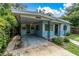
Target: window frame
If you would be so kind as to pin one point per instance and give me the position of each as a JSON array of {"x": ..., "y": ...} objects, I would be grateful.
[{"x": 46, "y": 27}]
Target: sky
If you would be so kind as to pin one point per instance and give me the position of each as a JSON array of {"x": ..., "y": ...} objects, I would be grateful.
[
  {"x": 32, "y": 6},
  {"x": 58, "y": 9}
]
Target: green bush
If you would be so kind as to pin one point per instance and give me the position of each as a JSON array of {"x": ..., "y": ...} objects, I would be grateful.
[
  {"x": 7, "y": 22},
  {"x": 66, "y": 39},
  {"x": 58, "y": 40},
  {"x": 2, "y": 41},
  {"x": 67, "y": 34},
  {"x": 4, "y": 37}
]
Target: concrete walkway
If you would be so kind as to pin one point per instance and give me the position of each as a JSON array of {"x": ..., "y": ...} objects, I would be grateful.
[{"x": 74, "y": 42}]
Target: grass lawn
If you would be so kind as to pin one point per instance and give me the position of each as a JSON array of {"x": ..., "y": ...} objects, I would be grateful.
[
  {"x": 74, "y": 37},
  {"x": 72, "y": 48}
]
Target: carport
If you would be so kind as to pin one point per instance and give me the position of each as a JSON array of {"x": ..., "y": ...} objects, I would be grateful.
[
  {"x": 32, "y": 23},
  {"x": 33, "y": 41}
]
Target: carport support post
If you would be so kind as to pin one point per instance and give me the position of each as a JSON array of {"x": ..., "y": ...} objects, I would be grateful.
[{"x": 48, "y": 30}]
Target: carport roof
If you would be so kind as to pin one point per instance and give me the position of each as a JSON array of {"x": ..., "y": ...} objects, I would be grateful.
[{"x": 42, "y": 15}]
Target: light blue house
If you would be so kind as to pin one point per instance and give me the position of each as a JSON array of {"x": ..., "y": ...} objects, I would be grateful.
[{"x": 38, "y": 24}]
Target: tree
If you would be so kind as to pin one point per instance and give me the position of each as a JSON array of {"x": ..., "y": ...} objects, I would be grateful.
[
  {"x": 19, "y": 6},
  {"x": 72, "y": 14},
  {"x": 7, "y": 22}
]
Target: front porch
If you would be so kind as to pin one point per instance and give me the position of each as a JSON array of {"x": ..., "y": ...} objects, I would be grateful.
[{"x": 41, "y": 29}]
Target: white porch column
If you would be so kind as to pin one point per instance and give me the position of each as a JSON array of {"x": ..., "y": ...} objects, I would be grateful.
[
  {"x": 42, "y": 28},
  {"x": 53, "y": 29},
  {"x": 61, "y": 30}
]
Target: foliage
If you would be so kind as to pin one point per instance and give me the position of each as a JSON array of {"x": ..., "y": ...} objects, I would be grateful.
[
  {"x": 72, "y": 14},
  {"x": 4, "y": 35},
  {"x": 67, "y": 34},
  {"x": 19, "y": 6},
  {"x": 11, "y": 20},
  {"x": 7, "y": 22},
  {"x": 66, "y": 39},
  {"x": 58, "y": 40},
  {"x": 4, "y": 24}
]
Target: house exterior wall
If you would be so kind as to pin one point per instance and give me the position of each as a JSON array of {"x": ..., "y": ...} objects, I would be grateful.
[
  {"x": 62, "y": 32},
  {"x": 39, "y": 32},
  {"x": 44, "y": 32}
]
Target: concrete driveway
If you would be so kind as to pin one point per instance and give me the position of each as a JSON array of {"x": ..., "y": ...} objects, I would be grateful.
[
  {"x": 33, "y": 41},
  {"x": 39, "y": 47}
]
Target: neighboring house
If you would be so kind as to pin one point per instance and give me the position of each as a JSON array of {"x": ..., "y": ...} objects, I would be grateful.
[{"x": 34, "y": 23}]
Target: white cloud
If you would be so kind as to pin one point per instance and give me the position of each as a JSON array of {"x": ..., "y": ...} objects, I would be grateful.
[
  {"x": 62, "y": 10},
  {"x": 47, "y": 10},
  {"x": 56, "y": 13},
  {"x": 66, "y": 5}
]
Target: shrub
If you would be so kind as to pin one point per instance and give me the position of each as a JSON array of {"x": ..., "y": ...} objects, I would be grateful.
[
  {"x": 58, "y": 40},
  {"x": 3, "y": 40},
  {"x": 66, "y": 39},
  {"x": 67, "y": 34}
]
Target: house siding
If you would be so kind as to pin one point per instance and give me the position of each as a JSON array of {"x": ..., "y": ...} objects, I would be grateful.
[
  {"x": 44, "y": 32},
  {"x": 62, "y": 31},
  {"x": 39, "y": 32}
]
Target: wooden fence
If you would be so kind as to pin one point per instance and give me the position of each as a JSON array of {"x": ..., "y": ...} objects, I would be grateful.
[{"x": 75, "y": 30}]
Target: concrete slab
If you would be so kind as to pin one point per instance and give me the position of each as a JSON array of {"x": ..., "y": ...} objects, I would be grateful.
[{"x": 33, "y": 41}]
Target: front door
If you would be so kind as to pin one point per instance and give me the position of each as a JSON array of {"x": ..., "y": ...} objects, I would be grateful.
[{"x": 56, "y": 29}]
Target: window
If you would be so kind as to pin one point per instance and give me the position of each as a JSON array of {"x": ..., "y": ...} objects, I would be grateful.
[
  {"x": 51, "y": 27},
  {"x": 65, "y": 27},
  {"x": 47, "y": 27}
]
